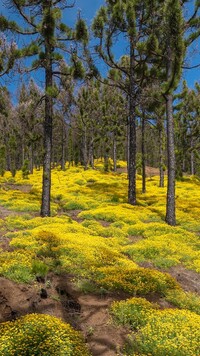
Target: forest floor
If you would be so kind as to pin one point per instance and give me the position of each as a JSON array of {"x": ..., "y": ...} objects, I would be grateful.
[{"x": 58, "y": 296}]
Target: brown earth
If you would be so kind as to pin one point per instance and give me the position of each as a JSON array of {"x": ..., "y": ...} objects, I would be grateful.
[
  {"x": 150, "y": 171},
  {"x": 189, "y": 280}
]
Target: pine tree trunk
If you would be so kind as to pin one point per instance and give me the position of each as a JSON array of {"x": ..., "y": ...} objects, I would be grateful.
[
  {"x": 161, "y": 162},
  {"x": 46, "y": 184},
  {"x": 115, "y": 154},
  {"x": 128, "y": 146},
  {"x": 31, "y": 158},
  {"x": 23, "y": 150},
  {"x": 143, "y": 156},
  {"x": 132, "y": 131},
  {"x": 70, "y": 148},
  {"x": 85, "y": 155},
  {"x": 170, "y": 209},
  {"x": 192, "y": 170},
  {"x": 91, "y": 153},
  {"x": 63, "y": 148}
]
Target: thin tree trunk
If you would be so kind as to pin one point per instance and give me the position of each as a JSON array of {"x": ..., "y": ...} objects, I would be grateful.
[
  {"x": 143, "y": 156},
  {"x": 184, "y": 165},
  {"x": 7, "y": 158},
  {"x": 46, "y": 183},
  {"x": 106, "y": 162},
  {"x": 161, "y": 158},
  {"x": 23, "y": 150},
  {"x": 31, "y": 158},
  {"x": 128, "y": 146},
  {"x": 115, "y": 153},
  {"x": 91, "y": 153},
  {"x": 85, "y": 155},
  {"x": 170, "y": 209},
  {"x": 192, "y": 170},
  {"x": 63, "y": 148},
  {"x": 132, "y": 131}
]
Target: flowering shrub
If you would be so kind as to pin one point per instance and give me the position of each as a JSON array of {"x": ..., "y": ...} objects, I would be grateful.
[
  {"x": 136, "y": 281},
  {"x": 132, "y": 312},
  {"x": 184, "y": 300},
  {"x": 170, "y": 332},
  {"x": 39, "y": 334}
]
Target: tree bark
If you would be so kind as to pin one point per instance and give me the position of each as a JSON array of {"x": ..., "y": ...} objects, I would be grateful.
[
  {"x": 161, "y": 161},
  {"x": 143, "y": 156},
  {"x": 85, "y": 150},
  {"x": 91, "y": 152},
  {"x": 46, "y": 184},
  {"x": 170, "y": 208},
  {"x": 114, "y": 153},
  {"x": 192, "y": 170},
  {"x": 132, "y": 131},
  {"x": 63, "y": 147},
  {"x": 127, "y": 145},
  {"x": 31, "y": 163}
]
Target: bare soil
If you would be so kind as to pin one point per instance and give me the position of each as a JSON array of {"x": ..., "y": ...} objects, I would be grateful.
[
  {"x": 150, "y": 171},
  {"x": 189, "y": 280}
]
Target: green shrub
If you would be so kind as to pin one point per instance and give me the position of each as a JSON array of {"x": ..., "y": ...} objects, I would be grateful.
[
  {"x": 75, "y": 205},
  {"x": 115, "y": 198},
  {"x": 132, "y": 312},
  {"x": 39, "y": 268},
  {"x": 19, "y": 273},
  {"x": 184, "y": 300},
  {"x": 25, "y": 169}
]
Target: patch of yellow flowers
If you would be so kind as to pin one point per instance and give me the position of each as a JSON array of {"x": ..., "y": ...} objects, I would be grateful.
[
  {"x": 39, "y": 334},
  {"x": 157, "y": 332}
]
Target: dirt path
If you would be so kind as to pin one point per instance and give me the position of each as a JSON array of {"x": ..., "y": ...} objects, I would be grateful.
[{"x": 102, "y": 336}]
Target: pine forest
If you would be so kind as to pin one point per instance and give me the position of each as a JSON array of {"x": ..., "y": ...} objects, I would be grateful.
[{"x": 99, "y": 178}]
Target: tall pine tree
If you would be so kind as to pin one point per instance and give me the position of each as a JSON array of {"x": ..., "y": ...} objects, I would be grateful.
[{"x": 47, "y": 36}]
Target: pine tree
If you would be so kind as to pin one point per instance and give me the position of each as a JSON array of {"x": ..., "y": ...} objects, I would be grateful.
[
  {"x": 174, "y": 51},
  {"x": 30, "y": 112},
  {"x": 48, "y": 36},
  {"x": 8, "y": 52},
  {"x": 187, "y": 129},
  {"x": 135, "y": 21}
]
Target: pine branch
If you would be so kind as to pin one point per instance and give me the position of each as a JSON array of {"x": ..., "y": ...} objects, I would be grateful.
[{"x": 23, "y": 15}]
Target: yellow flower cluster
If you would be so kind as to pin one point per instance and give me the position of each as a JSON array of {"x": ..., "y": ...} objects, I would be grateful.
[
  {"x": 170, "y": 332},
  {"x": 136, "y": 281},
  {"x": 39, "y": 334}
]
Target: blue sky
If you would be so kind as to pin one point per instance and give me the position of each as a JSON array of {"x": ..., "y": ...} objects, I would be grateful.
[{"x": 88, "y": 9}]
